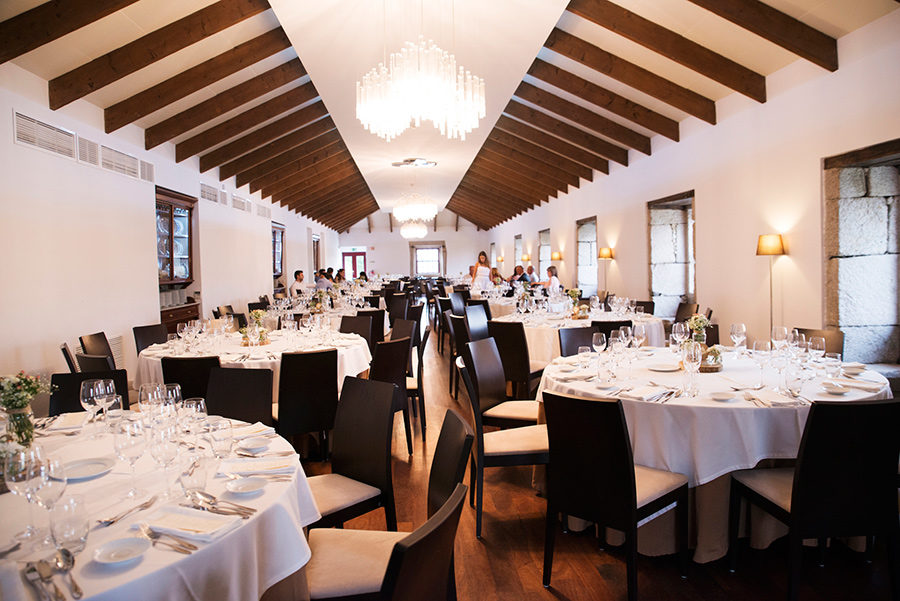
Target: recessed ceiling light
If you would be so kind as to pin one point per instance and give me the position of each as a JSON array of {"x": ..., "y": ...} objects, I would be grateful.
[{"x": 414, "y": 163}]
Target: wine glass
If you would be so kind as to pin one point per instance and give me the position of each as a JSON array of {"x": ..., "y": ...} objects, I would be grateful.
[
  {"x": 761, "y": 350},
  {"x": 194, "y": 416},
  {"x": 816, "y": 347},
  {"x": 779, "y": 337},
  {"x": 595, "y": 303},
  {"x": 130, "y": 442},
  {"x": 92, "y": 397},
  {"x": 173, "y": 395},
  {"x": 598, "y": 341},
  {"x": 584, "y": 356},
  {"x": 691, "y": 357},
  {"x": 679, "y": 331},
  {"x": 164, "y": 442},
  {"x": 149, "y": 397},
  {"x": 639, "y": 334},
  {"x": 219, "y": 436},
  {"x": 626, "y": 335},
  {"x": 739, "y": 337},
  {"x": 53, "y": 478},
  {"x": 108, "y": 392},
  {"x": 778, "y": 360},
  {"x": 22, "y": 471}
]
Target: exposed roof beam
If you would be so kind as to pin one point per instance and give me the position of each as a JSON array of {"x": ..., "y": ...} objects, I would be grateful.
[
  {"x": 476, "y": 179},
  {"x": 276, "y": 147},
  {"x": 50, "y": 21},
  {"x": 542, "y": 154},
  {"x": 499, "y": 163},
  {"x": 298, "y": 182},
  {"x": 298, "y": 152},
  {"x": 557, "y": 145},
  {"x": 335, "y": 177},
  {"x": 779, "y": 28},
  {"x": 672, "y": 45},
  {"x": 476, "y": 206},
  {"x": 308, "y": 161},
  {"x": 516, "y": 156},
  {"x": 350, "y": 207},
  {"x": 632, "y": 75},
  {"x": 148, "y": 49},
  {"x": 223, "y": 102},
  {"x": 454, "y": 205},
  {"x": 503, "y": 178},
  {"x": 508, "y": 202},
  {"x": 604, "y": 98},
  {"x": 198, "y": 77},
  {"x": 313, "y": 198}
]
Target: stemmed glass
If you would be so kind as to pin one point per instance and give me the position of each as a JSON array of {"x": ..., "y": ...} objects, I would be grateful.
[
  {"x": 761, "y": 350},
  {"x": 779, "y": 337},
  {"x": 194, "y": 417},
  {"x": 679, "y": 331},
  {"x": 739, "y": 337},
  {"x": 796, "y": 343},
  {"x": 130, "y": 442},
  {"x": 639, "y": 334},
  {"x": 816, "y": 348},
  {"x": 598, "y": 341},
  {"x": 22, "y": 471},
  {"x": 584, "y": 356},
  {"x": 92, "y": 397},
  {"x": 164, "y": 439},
  {"x": 625, "y": 335},
  {"x": 691, "y": 357},
  {"x": 173, "y": 395},
  {"x": 150, "y": 396},
  {"x": 595, "y": 303},
  {"x": 53, "y": 478},
  {"x": 779, "y": 361}
]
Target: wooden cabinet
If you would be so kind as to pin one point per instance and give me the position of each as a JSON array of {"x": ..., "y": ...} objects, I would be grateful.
[
  {"x": 173, "y": 316},
  {"x": 174, "y": 237}
]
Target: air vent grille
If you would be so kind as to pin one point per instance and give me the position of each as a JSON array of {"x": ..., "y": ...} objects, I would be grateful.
[
  {"x": 209, "y": 193},
  {"x": 262, "y": 211},
  {"x": 88, "y": 152},
  {"x": 147, "y": 172},
  {"x": 239, "y": 203},
  {"x": 223, "y": 197},
  {"x": 115, "y": 160},
  {"x": 42, "y": 135}
]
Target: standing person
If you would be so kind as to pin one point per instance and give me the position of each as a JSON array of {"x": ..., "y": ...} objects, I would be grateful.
[
  {"x": 552, "y": 284},
  {"x": 296, "y": 285},
  {"x": 481, "y": 278},
  {"x": 531, "y": 275}
]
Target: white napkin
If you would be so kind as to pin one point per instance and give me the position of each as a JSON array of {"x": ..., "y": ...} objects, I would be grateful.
[
  {"x": 772, "y": 398},
  {"x": 68, "y": 421},
  {"x": 257, "y": 429},
  {"x": 11, "y": 584},
  {"x": 571, "y": 360},
  {"x": 192, "y": 524},
  {"x": 642, "y": 393},
  {"x": 858, "y": 384},
  {"x": 258, "y": 465},
  {"x": 578, "y": 375}
]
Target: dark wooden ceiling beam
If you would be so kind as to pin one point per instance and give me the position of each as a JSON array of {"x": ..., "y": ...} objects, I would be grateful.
[
  {"x": 279, "y": 161},
  {"x": 326, "y": 168},
  {"x": 516, "y": 156},
  {"x": 541, "y": 154},
  {"x": 473, "y": 183},
  {"x": 340, "y": 203},
  {"x": 276, "y": 147},
  {"x": 306, "y": 162},
  {"x": 258, "y": 137},
  {"x": 488, "y": 202},
  {"x": 466, "y": 214},
  {"x": 605, "y": 99},
  {"x": 552, "y": 143},
  {"x": 503, "y": 178},
  {"x": 632, "y": 75},
  {"x": 479, "y": 180},
  {"x": 196, "y": 78},
  {"x": 584, "y": 117},
  {"x": 223, "y": 102},
  {"x": 245, "y": 121},
  {"x": 568, "y": 132},
  {"x": 672, "y": 45},
  {"x": 779, "y": 28},
  {"x": 148, "y": 49},
  {"x": 336, "y": 178},
  {"x": 335, "y": 190},
  {"x": 354, "y": 211},
  {"x": 50, "y": 21},
  {"x": 477, "y": 205},
  {"x": 513, "y": 170},
  {"x": 498, "y": 199},
  {"x": 363, "y": 212}
]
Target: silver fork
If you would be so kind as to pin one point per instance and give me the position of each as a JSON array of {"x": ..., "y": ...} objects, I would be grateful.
[
  {"x": 145, "y": 505},
  {"x": 156, "y": 540}
]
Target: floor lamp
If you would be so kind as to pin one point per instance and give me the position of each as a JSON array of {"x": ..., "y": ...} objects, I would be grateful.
[
  {"x": 770, "y": 245},
  {"x": 605, "y": 254}
]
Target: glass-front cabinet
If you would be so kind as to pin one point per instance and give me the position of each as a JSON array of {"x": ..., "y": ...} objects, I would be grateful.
[{"x": 173, "y": 237}]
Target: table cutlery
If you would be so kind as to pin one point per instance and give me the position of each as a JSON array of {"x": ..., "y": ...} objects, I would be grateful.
[
  {"x": 241, "y": 453},
  {"x": 799, "y": 397},
  {"x": 212, "y": 500},
  {"x": 145, "y": 505},
  {"x": 216, "y": 510},
  {"x": 32, "y": 576},
  {"x": 272, "y": 477},
  {"x": 155, "y": 540},
  {"x": 673, "y": 393},
  {"x": 177, "y": 539},
  {"x": 46, "y": 573},
  {"x": 64, "y": 562}
]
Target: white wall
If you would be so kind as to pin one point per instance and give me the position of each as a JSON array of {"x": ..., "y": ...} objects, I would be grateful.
[
  {"x": 758, "y": 171},
  {"x": 388, "y": 253},
  {"x": 79, "y": 242}
]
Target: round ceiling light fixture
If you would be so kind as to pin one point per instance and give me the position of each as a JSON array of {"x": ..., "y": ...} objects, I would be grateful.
[
  {"x": 413, "y": 206},
  {"x": 413, "y": 230},
  {"x": 414, "y": 162}
]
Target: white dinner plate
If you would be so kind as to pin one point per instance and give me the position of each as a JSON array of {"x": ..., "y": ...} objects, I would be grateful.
[
  {"x": 121, "y": 550},
  {"x": 834, "y": 389},
  {"x": 85, "y": 469},
  {"x": 565, "y": 368},
  {"x": 723, "y": 396},
  {"x": 664, "y": 367},
  {"x": 610, "y": 387},
  {"x": 257, "y": 443},
  {"x": 245, "y": 486}
]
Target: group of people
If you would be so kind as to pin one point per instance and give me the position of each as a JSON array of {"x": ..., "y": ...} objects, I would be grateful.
[
  {"x": 485, "y": 277},
  {"x": 324, "y": 279}
]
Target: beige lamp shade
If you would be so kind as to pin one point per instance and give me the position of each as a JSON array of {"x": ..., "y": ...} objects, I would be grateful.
[
  {"x": 770, "y": 244},
  {"x": 499, "y": 259},
  {"x": 605, "y": 253},
  {"x": 556, "y": 256},
  {"x": 526, "y": 257}
]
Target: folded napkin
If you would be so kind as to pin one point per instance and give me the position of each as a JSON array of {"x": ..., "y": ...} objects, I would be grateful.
[
  {"x": 642, "y": 393},
  {"x": 858, "y": 384},
  {"x": 192, "y": 524},
  {"x": 257, "y": 429},
  {"x": 68, "y": 421},
  {"x": 12, "y": 585},
  {"x": 574, "y": 376},
  {"x": 258, "y": 465},
  {"x": 770, "y": 398},
  {"x": 570, "y": 360}
]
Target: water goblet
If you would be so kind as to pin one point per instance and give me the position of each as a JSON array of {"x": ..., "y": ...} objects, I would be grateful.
[
  {"x": 584, "y": 356},
  {"x": 53, "y": 478},
  {"x": 598, "y": 342},
  {"x": 638, "y": 334},
  {"x": 761, "y": 351},
  {"x": 691, "y": 357},
  {"x": 679, "y": 331},
  {"x": 69, "y": 523},
  {"x": 129, "y": 443},
  {"x": 22, "y": 472},
  {"x": 739, "y": 337},
  {"x": 779, "y": 337},
  {"x": 778, "y": 360},
  {"x": 92, "y": 396},
  {"x": 626, "y": 335},
  {"x": 173, "y": 394},
  {"x": 164, "y": 442},
  {"x": 816, "y": 348}
]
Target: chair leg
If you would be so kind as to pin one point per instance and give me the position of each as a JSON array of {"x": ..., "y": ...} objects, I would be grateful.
[
  {"x": 451, "y": 580},
  {"x": 413, "y": 405},
  {"x": 479, "y": 495},
  {"x": 549, "y": 539},
  {"x": 472, "y": 469},
  {"x": 734, "y": 516},
  {"x": 323, "y": 445},
  {"x": 390, "y": 515},
  {"x": 631, "y": 561},
  {"x": 795, "y": 554},
  {"x": 456, "y": 384},
  {"x": 421, "y": 399},
  {"x": 822, "y": 547},
  {"x": 450, "y": 373},
  {"x": 681, "y": 531},
  {"x": 408, "y": 430}
]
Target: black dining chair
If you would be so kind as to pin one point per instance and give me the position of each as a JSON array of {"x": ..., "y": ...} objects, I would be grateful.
[
  {"x": 191, "y": 373},
  {"x": 572, "y": 338},
  {"x": 440, "y": 326},
  {"x": 484, "y": 303},
  {"x": 397, "y": 308},
  {"x": 592, "y": 475},
  {"x": 237, "y": 393},
  {"x": 308, "y": 396},
  {"x": 144, "y": 336},
  {"x": 65, "y": 395},
  {"x": 68, "y": 356},
  {"x": 460, "y": 339},
  {"x": 240, "y": 320},
  {"x": 647, "y": 306},
  {"x": 415, "y": 383},
  {"x": 360, "y": 480},
  {"x": 607, "y": 327},
  {"x": 476, "y": 322},
  {"x": 260, "y": 306},
  {"x": 414, "y": 314},
  {"x": 844, "y": 483},
  {"x": 377, "y": 316},
  {"x": 389, "y": 365},
  {"x": 225, "y": 310},
  {"x": 458, "y": 302},
  {"x": 96, "y": 344},
  {"x": 95, "y": 362},
  {"x": 360, "y": 324},
  {"x": 517, "y": 364},
  {"x": 373, "y": 301}
]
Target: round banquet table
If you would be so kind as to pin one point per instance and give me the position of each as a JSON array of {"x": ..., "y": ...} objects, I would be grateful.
[
  {"x": 353, "y": 354},
  {"x": 541, "y": 330},
  {"x": 266, "y": 551},
  {"x": 702, "y": 438},
  {"x": 502, "y": 306}
]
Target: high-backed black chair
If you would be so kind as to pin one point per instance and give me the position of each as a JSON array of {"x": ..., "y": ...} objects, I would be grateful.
[
  {"x": 486, "y": 385},
  {"x": 265, "y": 299},
  {"x": 648, "y": 306},
  {"x": 244, "y": 394},
  {"x": 712, "y": 334},
  {"x": 144, "y": 336},
  {"x": 844, "y": 483},
  {"x": 608, "y": 327},
  {"x": 484, "y": 303},
  {"x": 476, "y": 322},
  {"x": 415, "y": 386},
  {"x": 95, "y": 362},
  {"x": 389, "y": 365},
  {"x": 68, "y": 356},
  {"x": 191, "y": 373},
  {"x": 517, "y": 363},
  {"x": 449, "y": 328},
  {"x": 66, "y": 394},
  {"x": 571, "y": 338},
  {"x": 440, "y": 322},
  {"x": 361, "y": 324},
  {"x": 96, "y": 344},
  {"x": 257, "y": 306},
  {"x": 834, "y": 338},
  {"x": 685, "y": 311},
  {"x": 592, "y": 476},
  {"x": 458, "y": 302},
  {"x": 414, "y": 314},
  {"x": 308, "y": 395},
  {"x": 216, "y": 314},
  {"x": 360, "y": 479},
  {"x": 397, "y": 308},
  {"x": 240, "y": 319},
  {"x": 373, "y": 301},
  {"x": 226, "y": 310},
  {"x": 377, "y": 316},
  {"x": 460, "y": 339}
]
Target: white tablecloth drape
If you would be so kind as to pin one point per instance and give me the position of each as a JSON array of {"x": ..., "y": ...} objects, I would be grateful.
[{"x": 240, "y": 565}]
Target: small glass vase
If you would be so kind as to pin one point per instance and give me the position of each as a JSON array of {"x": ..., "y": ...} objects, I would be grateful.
[
  {"x": 20, "y": 425},
  {"x": 699, "y": 337}
]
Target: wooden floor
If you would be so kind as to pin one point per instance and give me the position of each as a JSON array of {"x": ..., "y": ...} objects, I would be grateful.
[{"x": 506, "y": 563}]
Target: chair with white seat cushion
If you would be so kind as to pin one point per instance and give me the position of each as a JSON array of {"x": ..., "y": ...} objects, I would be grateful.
[
  {"x": 494, "y": 408},
  {"x": 486, "y": 386},
  {"x": 844, "y": 483},
  {"x": 592, "y": 476},
  {"x": 360, "y": 479}
]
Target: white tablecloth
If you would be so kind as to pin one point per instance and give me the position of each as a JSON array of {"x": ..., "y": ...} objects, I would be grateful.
[
  {"x": 541, "y": 330},
  {"x": 353, "y": 354},
  {"x": 241, "y": 565},
  {"x": 502, "y": 306},
  {"x": 706, "y": 439}
]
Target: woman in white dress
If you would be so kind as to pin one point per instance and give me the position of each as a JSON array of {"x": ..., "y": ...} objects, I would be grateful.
[
  {"x": 552, "y": 284},
  {"x": 481, "y": 278}
]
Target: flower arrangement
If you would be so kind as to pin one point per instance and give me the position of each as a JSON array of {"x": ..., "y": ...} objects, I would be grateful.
[
  {"x": 574, "y": 294},
  {"x": 714, "y": 354},
  {"x": 16, "y": 393},
  {"x": 258, "y": 315},
  {"x": 698, "y": 323}
]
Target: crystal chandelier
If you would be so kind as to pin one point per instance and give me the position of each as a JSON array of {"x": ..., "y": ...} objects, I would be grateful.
[
  {"x": 420, "y": 83},
  {"x": 413, "y": 206},
  {"x": 413, "y": 230}
]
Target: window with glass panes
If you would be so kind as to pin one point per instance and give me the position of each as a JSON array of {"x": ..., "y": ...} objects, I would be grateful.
[
  {"x": 543, "y": 253},
  {"x": 586, "y": 237},
  {"x": 277, "y": 249},
  {"x": 517, "y": 250},
  {"x": 428, "y": 261},
  {"x": 493, "y": 254}
]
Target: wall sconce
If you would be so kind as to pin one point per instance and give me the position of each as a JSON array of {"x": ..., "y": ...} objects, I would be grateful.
[
  {"x": 605, "y": 253},
  {"x": 556, "y": 256},
  {"x": 526, "y": 257},
  {"x": 499, "y": 259},
  {"x": 770, "y": 245}
]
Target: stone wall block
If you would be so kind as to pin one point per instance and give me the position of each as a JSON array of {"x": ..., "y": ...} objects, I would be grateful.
[
  {"x": 669, "y": 278},
  {"x": 884, "y": 181},
  {"x": 852, "y": 182},
  {"x": 832, "y": 305},
  {"x": 862, "y": 226},
  {"x": 871, "y": 344},
  {"x": 832, "y": 184},
  {"x": 867, "y": 290},
  {"x": 667, "y": 216},
  {"x": 662, "y": 244},
  {"x": 893, "y": 242},
  {"x": 665, "y": 305},
  {"x": 832, "y": 227}
]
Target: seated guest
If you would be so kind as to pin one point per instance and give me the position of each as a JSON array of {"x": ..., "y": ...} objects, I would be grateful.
[
  {"x": 363, "y": 277},
  {"x": 323, "y": 283},
  {"x": 339, "y": 276},
  {"x": 296, "y": 285},
  {"x": 518, "y": 275},
  {"x": 552, "y": 284},
  {"x": 496, "y": 278},
  {"x": 531, "y": 275}
]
